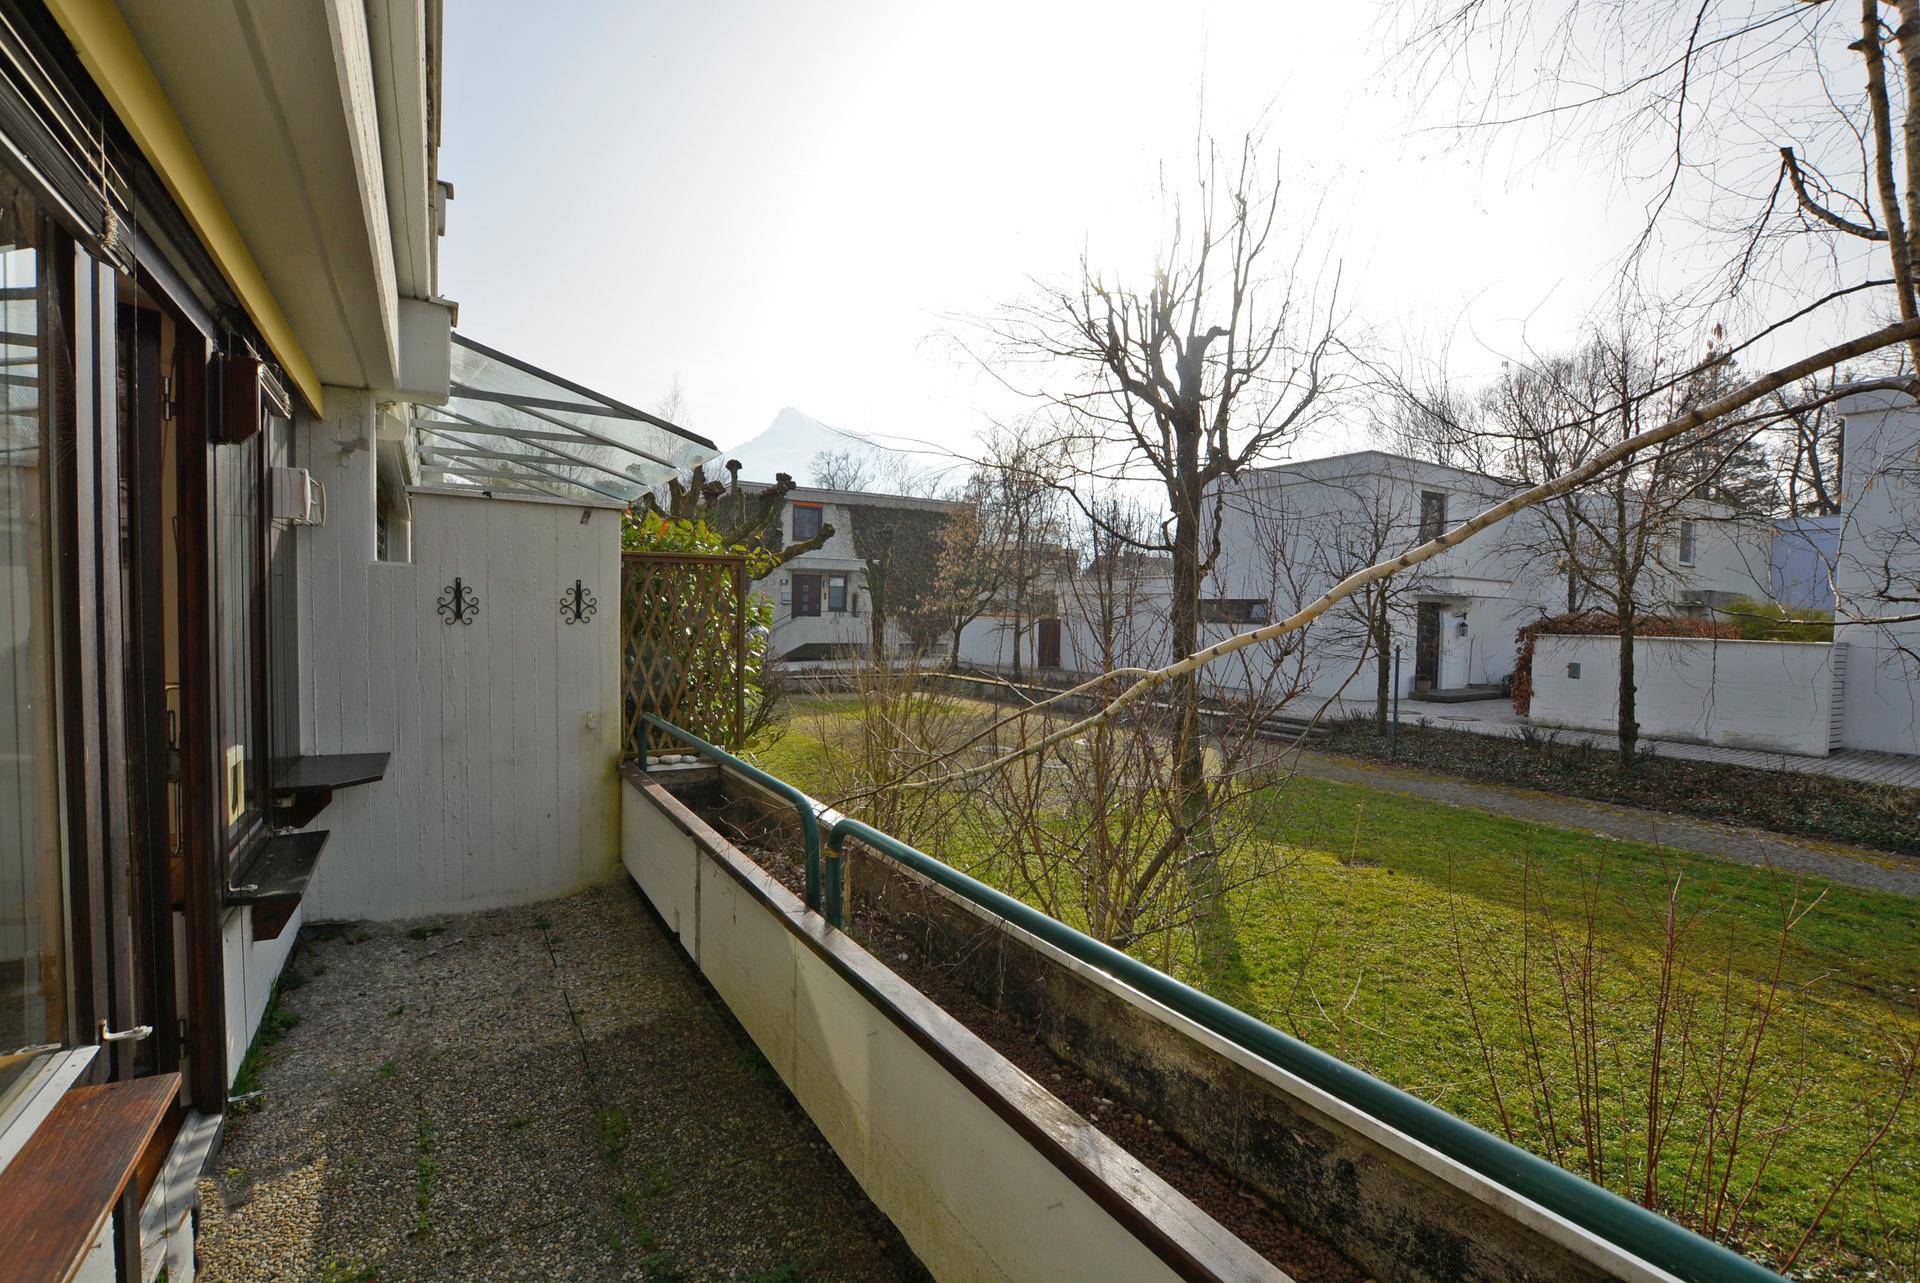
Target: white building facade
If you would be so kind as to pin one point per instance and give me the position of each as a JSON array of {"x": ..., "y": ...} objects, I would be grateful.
[
  {"x": 822, "y": 599},
  {"x": 1877, "y": 573},
  {"x": 1289, "y": 533}
]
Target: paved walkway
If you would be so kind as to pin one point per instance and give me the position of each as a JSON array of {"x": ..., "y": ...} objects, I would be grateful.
[
  {"x": 537, "y": 1093},
  {"x": 1496, "y": 717},
  {"x": 1853, "y": 866}
]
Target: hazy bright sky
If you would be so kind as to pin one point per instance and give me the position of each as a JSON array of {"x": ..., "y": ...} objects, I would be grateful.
[{"x": 783, "y": 203}]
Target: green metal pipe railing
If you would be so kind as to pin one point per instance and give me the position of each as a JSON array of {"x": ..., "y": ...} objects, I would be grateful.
[
  {"x": 804, "y": 806},
  {"x": 1626, "y": 1225}
]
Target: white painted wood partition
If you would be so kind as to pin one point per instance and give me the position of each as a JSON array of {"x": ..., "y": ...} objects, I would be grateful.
[{"x": 503, "y": 731}]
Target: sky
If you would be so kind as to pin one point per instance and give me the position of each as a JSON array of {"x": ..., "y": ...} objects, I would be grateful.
[{"x": 772, "y": 204}]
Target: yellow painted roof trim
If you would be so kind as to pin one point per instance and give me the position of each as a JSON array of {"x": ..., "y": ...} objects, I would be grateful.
[{"x": 117, "y": 64}]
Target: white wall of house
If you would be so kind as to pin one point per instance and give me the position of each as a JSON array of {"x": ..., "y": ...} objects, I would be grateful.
[
  {"x": 1289, "y": 533},
  {"x": 988, "y": 642},
  {"x": 1779, "y": 696},
  {"x": 853, "y": 626},
  {"x": 504, "y": 732},
  {"x": 1880, "y": 546}
]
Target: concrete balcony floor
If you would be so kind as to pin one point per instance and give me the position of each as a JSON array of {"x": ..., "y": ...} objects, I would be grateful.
[{"x": 544, "y": 1092}]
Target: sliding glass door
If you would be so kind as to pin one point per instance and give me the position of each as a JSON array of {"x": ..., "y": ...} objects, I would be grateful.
[{"x": 33, "y": 939}]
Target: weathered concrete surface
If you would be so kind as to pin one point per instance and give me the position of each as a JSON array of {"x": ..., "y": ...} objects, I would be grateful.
[{"x": 543, "y": 1092}]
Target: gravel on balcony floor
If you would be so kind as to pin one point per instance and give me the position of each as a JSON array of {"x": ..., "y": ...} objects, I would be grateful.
[{"x": 545, "y": 1092}]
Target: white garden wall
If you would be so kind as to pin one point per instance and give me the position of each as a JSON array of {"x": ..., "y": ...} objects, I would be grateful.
[
  {"x": 1778, "y": 696},
  {"x": 504, "y": 732}
]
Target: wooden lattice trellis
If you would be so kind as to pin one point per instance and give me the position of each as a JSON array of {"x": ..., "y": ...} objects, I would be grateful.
[{"x": 683, "y": 633}]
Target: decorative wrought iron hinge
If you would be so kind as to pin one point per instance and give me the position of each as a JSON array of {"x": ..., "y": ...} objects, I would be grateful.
[
  {"x": 577, "y": 604},
  {"x": 460, "y": 604}
]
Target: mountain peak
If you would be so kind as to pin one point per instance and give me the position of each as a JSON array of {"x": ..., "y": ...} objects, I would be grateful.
[{"x": 790, "y": 442}]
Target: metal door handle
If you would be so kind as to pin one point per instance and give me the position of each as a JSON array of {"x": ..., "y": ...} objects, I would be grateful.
[{"x": 134, "y": 1034}]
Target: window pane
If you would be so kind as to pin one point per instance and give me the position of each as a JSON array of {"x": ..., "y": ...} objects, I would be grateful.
[
  {"x": 806, "y": 521},
  {"x": 32, "y": 938},
  {"x": 238, "y": 553}
]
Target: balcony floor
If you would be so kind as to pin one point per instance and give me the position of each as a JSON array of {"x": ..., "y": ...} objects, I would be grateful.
[{"x": 543, "y": 1092}]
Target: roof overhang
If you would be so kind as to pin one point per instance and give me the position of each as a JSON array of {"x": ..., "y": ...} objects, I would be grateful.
[{"x": 295, "y": 140}]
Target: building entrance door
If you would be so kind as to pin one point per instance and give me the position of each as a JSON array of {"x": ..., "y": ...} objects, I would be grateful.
[
  {"x": 1047, "y": 644},
  {"x": 1426, "y": 646}
]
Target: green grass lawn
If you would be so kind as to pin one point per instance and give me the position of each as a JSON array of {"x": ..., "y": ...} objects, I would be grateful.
[{"x": 1392, "y": 926}]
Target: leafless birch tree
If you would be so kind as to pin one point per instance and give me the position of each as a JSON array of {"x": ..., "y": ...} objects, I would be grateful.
[{"x": 1224, "y": 350}]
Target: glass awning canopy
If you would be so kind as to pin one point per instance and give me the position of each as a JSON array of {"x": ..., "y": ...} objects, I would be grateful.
[{"x": 512, "y": 428}]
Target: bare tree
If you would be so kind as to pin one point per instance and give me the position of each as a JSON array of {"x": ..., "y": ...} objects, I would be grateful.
[
  {"x": 1622, "y": 542},
  {"x": 1023, "y": 468},
  {"x": 1143, "y": 683},
  {"x": 1629, "y": 536},
  {"x": 838, "y": 470},
  {"x": 1777, "y": 142},
  {"x": 1223, "y": 353},
  {"x": 972, "y": 565},
  {"x": 1299, "y": 532},
  {"x": 743, "y": 519},
  {"x": 1811, "y": 454}
]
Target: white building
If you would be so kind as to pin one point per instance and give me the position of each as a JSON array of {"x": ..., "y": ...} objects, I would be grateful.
[
  {"x": 1288, "y": 533},
  {"x": 1877, "y": 574},
  {"x": 822, "y": 600}
]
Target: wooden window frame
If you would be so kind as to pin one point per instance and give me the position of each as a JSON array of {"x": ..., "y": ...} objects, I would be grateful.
[
  {"x": 844, "y": 582},
  {"x": 264, "y": 392}
]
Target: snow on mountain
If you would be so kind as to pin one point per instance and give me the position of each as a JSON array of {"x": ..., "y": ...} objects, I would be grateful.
[{"x": 789, "y": 444}]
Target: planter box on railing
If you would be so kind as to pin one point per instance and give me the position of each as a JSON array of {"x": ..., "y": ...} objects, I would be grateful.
[{"x": 985, "y": 1173}]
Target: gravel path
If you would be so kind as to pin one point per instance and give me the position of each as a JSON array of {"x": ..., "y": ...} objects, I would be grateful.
[
  {"x": 1852, "y": 866},
  {"x": 536, "y": 1093}
]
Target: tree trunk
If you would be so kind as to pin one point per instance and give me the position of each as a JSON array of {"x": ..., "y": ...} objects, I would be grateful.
[
  {"x": 1382, "y": 667},
  {"x": 1629, "y": 727},
  {"x": 1212, "y": 941},
  {"x": 877, "y": 611}
]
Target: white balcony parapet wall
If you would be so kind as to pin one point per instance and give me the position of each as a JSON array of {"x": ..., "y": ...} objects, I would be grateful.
[
  {"x": 986, "y": 1174},
  {"x": 1782, "y": 697}
]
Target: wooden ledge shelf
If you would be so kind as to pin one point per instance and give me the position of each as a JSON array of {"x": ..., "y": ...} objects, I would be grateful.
[
  {"x": 275, "y": 879},
  {"x": 305, "y": 785},
  {"x": 59, "y": 1190}
]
